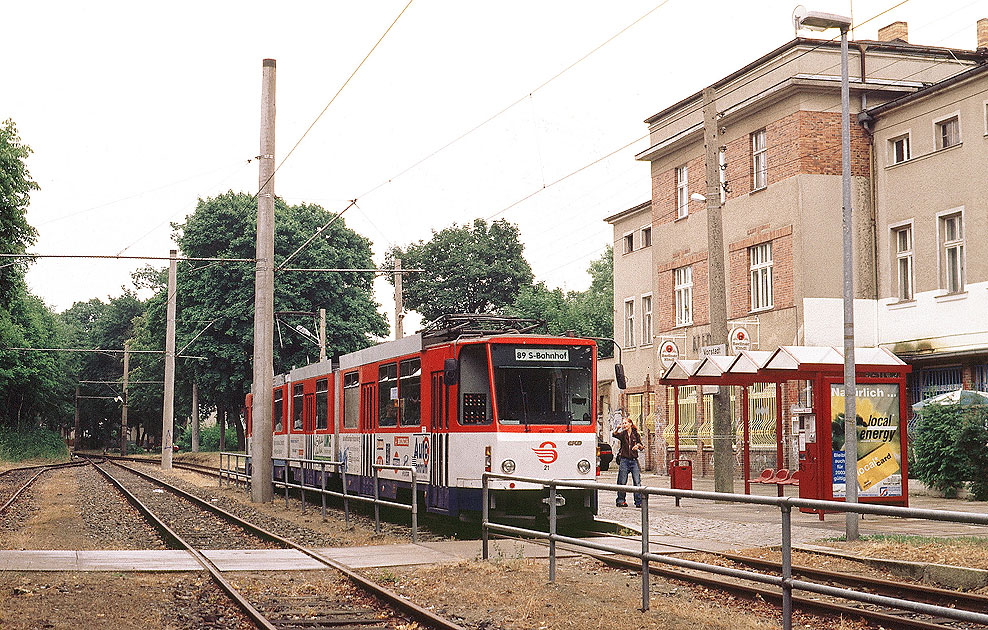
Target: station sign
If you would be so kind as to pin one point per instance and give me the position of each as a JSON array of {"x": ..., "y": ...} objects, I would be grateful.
[
  {"x": 668, "y": 352},
  {"x": 740, "y": 340}
]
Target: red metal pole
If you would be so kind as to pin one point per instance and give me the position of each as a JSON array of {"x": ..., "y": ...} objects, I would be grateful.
[
  {"x": 778, "y": 428},
  {"x": 675, "y": 407},
  {"x": 747, "y": 440}
]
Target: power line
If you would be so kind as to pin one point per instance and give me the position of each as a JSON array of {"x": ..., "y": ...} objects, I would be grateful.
[
  {"x": 117, "y": 257},
  {"x": 352, "y": 74},
  {"x": 527, "y": 94}
]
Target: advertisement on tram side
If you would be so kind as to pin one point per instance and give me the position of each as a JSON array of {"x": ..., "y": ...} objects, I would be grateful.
[{"x": 879, "y": 453}]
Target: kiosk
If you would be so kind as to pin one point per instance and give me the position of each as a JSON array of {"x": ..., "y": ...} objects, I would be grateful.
[{"x": 818, "y": 426}]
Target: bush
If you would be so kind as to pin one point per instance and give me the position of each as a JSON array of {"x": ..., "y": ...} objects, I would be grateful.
[
  {"x": 37, "y": 443},
  {"x": 209, "y": 438},
  {"x": 951, "y": 448}
]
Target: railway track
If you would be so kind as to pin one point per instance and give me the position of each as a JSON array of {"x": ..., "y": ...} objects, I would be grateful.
[
  {"x": 15, "y": 481},
  {"x": 270, "y": 606},
  {"x": 882, "y": 617}
]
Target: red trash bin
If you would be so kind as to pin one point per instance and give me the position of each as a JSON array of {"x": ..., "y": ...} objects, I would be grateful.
[{"x": 681, "y": 474}]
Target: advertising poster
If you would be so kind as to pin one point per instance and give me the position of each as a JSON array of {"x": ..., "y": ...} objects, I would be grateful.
[{"x": 879, "y": 456}]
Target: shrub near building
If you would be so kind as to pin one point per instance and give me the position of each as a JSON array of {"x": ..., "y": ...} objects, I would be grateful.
[{"x": 951, "y": 449}]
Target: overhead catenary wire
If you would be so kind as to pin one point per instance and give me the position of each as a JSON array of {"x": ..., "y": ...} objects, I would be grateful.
[{"x": 118, "y": 257}]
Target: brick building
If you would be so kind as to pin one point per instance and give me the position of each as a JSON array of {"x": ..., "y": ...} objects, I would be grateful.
[{"x": 780, "y": 171}]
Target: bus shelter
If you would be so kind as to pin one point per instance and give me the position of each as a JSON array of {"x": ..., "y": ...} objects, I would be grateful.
[{"x": 816, "y": 419}]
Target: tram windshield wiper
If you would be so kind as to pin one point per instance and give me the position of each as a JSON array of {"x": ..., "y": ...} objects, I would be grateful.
[{"x": 524, "y": 402}]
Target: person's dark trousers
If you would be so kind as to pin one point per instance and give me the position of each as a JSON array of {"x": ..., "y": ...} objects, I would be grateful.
[{"x": 628, "y": 465}]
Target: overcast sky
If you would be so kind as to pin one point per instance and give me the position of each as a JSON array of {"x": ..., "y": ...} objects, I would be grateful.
[{"x": 135, "y": 110}]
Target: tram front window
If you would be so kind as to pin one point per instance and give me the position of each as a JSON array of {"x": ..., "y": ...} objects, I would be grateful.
[{"x": 543, "y": 385}]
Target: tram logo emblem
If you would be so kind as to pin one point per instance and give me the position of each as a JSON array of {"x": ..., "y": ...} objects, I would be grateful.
[{"x": 546, "y": 452}]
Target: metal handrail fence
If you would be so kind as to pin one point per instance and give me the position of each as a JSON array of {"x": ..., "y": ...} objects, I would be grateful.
[
  {"x": 785, "y": 504},
  {"x": 311, "y": 465}
]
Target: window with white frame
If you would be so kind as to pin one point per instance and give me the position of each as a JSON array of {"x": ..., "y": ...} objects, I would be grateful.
[
  {"x": 899, "y": 149},
  {"x": 759, "y": 160},
  {"x": 952, "y": 252},
  {"x": 646, "y": 237},
  {"x": 948, "y": 132},
  {"x": 629, "y": 243},
  {"x": 629, "y": 322},
  {"x": 902, "y": 237},
  {"x": 684, "y": 295},
  {"x": 682, "y": 192},
  {"x": 761, "y": 276},
  {"x": 646, "y": 320}
]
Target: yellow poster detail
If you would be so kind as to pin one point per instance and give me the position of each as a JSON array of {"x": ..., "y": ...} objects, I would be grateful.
[{"x": 877, "y": 466}]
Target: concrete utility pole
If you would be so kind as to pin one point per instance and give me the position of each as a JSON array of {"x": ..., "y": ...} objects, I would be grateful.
[
  {"x": 850, "y": 381},
  {"x": 195, "y": 417},
  {"x": 261, "y": 489},
  {"x": 168, "y": 407},
  {"x": 399, "y": 307},
  {"x": 75, "y": 438},
  {"x": 123, "y": 410},
  {"x": 722, "y": 429},
  {"x": 322, "y": 334}
]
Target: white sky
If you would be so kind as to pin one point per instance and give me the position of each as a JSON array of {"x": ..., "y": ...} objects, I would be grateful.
[{"x": 135, "y": 110}]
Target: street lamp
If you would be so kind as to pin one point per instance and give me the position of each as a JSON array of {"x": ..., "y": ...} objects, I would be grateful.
[{"x": 817, "y": 21}]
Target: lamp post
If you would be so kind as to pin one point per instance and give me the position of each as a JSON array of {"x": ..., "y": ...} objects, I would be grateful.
[{"x": 814, "y": 20}]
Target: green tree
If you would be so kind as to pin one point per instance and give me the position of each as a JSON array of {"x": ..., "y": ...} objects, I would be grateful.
[
  {"x": 587, "y": 313},
  {"x": 16, "y": 234},
  {"x": 937, "y": 463},
  {"x": 468, "y": 269},
  {"x": 217, "y": 300}
]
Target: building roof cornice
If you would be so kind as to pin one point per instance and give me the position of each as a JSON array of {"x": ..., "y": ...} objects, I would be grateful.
[{"x": 647, "y": 205}]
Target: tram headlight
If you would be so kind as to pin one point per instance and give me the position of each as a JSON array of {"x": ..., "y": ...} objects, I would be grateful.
[
  {"x": 508, "y": 466},
  {"x": 583, "y": 466}
]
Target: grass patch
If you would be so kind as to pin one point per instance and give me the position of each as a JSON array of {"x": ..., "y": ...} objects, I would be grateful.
[
  {"x": 917, "y": 541},
  {"x": 32, "y": 444}
]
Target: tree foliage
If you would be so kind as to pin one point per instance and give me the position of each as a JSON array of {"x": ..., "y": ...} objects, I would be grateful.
[
  {"x": 587, "y": 313},
  {"x": 217, "y": 300},
  {"x": 951, "y": 448},
  {"x": 16, "y": 234},
  {"x": 468, "y": 269}
]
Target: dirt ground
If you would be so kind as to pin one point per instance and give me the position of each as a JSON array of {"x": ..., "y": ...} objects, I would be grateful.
[
  {"x": 515, "y": 593},
  {"x": 60, "y": 524}
]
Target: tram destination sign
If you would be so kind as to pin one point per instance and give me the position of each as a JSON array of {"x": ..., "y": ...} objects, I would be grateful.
[{"x": 542, "y": 354}]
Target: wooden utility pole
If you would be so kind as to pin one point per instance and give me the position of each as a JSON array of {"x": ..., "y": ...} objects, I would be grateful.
[
  {"x": 123, "y": 410},
  {"x": 399, "y": 307},
  {"x": 75, "y": 437},
  {"x": 322, "y": 334},
  {"x": 261, "y": 488},
  {"x": 717, "y": 278},
  {"x": 195, "y": 417},
  {"x": 168, "y": 408}
]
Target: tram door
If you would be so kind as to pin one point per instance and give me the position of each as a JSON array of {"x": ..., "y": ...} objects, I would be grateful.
[{"x": 437, "y": 496}]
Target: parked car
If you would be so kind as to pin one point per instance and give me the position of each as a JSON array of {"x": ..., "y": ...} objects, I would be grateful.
[{"x": 604, "y": 455}]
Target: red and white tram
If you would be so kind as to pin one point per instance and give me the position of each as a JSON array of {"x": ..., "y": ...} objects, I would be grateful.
[{"x": 469, "y": 394}]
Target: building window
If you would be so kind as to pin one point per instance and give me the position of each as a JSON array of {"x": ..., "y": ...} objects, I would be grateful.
[
  {"x": 629, "y": 243},
  {"x": 629, "y": 323},
  {"x": 899, "y": 149},
  {"x": 759, "y": 160},
  {"x": 684, "y": 296},
  {"x": 948, "y": 132},
  {"x": 952, "y": 252},
  {"x": 682, "y": 192},
  {"x": 646, "y": 237},
  {"x": 903, "y": 238},
  {"x": 761, "y": 276},
  {"x": 646, "y": 320}
]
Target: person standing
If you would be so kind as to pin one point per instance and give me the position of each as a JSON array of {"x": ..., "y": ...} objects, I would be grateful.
[{"x": 631, "y": 442}]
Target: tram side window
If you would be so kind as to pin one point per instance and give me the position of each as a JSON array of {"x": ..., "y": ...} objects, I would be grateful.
[
  {"x": 322, "y": 404},
  {"x": 351, "y": 400},
  {"x": 387, "y": 395},
  {"x": 475, "y": 386},
  {"x": 278, "y": 410},
  {"x": 410, "y": 392},
  {"x": 297, "y": 397}
]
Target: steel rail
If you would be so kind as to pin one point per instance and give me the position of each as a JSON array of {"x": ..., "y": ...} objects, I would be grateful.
[
  {"x": 390, "y": 597},
  {"x": 768, "y": 594},
  {"x": 255, "y": 615},
  {"x": 44, "y": 468}
]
